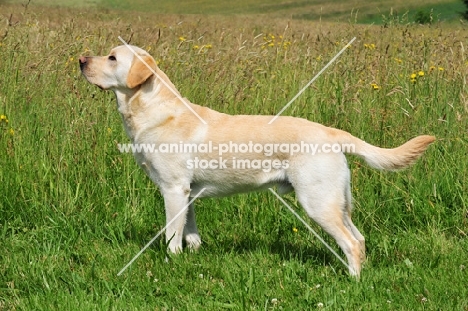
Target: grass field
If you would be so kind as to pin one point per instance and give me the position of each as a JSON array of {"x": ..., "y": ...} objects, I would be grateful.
[
  {"x": 74, "y": 211},
  {"x": 360, "y": 11}
]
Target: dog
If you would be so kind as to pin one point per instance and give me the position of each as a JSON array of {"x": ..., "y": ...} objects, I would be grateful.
[{"x": 205, "y": 153}]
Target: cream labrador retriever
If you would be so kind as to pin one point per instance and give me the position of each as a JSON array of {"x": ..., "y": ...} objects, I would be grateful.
[{"x": 196, "y": 151}]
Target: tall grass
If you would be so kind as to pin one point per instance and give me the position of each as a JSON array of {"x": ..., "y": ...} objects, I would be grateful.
[{"x": 73, "y": 210}]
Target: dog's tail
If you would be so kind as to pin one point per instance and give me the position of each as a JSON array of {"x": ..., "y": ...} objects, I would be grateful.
[{"x": 388, "y": 159}]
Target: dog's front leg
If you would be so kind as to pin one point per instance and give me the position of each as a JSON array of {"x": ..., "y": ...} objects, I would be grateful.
[
  {"x": 175, "y": 201},
  {"x": 192, "y": 237}
]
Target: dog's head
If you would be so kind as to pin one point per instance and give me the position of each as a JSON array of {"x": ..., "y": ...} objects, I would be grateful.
[{"x": 126, "y": 67}]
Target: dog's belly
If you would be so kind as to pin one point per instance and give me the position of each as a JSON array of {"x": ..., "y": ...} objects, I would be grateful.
[
  {"x": 212, "y": 190},
  {"x": 229, "y": 183}
]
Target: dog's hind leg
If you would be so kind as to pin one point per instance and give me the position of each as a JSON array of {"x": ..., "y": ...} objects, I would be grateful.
[
  {"x": 348, "y": 209},
  {"x": 191, "y": 235},
  {"x": 329, "y": 215},
  {"x": 320, "y": 187}
]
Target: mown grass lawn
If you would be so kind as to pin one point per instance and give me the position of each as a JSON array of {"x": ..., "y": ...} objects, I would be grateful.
[{"x": 74, "y": 210}]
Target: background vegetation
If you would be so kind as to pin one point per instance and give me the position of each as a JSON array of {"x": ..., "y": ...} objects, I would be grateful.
[
  {"x": 370, "y": 11},
  {"x": 74, "y": 211}
]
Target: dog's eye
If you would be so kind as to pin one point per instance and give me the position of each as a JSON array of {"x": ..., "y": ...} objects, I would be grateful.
[{"x": 112, "y": 58}]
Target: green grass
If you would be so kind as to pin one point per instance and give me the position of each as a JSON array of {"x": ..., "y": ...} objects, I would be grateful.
[
  {"x": 358, "y": 11},
  {"x": 449, "y": 11},
  {"x": 74, "y": 211},
  {"x": 374, "y": 11}
]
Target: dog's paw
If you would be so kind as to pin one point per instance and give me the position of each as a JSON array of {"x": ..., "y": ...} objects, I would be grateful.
[{"x": 193, "y": 241}]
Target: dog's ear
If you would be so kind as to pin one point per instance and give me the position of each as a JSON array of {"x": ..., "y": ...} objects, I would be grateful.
[{"x": 142, "y": 68}]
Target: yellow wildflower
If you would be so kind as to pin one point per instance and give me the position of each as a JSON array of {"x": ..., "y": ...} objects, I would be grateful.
[
  {"x": 295, "y": 229},
  {"x": 375, "y": 86},
  {"x": 413, "y": 76},
  {"x": 421, "y": 73},
  {"x": 70, "y": 60},
  {"x": 182, "y": 39}
]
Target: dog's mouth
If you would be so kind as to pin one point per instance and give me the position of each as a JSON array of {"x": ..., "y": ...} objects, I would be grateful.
[
  {"x": 83, "y": 61},
  {"x": 90, "y": 78},
  {"x": 82, "y": 66}
]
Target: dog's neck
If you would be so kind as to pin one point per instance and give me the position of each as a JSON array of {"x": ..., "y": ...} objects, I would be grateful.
[{"x": 152, "y": 98}]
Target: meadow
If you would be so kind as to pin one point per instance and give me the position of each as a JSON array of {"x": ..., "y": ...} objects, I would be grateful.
[
  {"x": 361, "y": 11},
  {"x": 74, "y": 210}
]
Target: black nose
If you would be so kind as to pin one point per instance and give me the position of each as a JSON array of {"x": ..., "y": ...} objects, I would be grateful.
[{"x": 82, "y": 61}]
